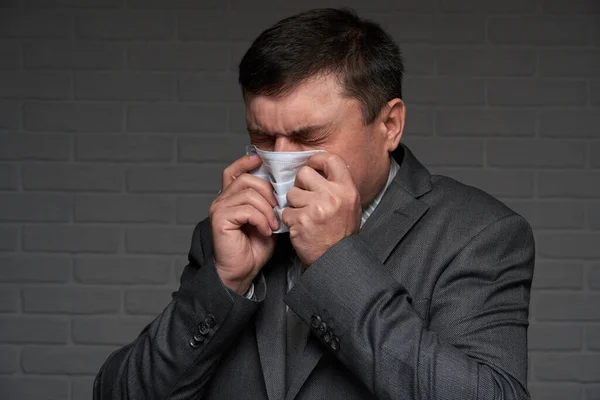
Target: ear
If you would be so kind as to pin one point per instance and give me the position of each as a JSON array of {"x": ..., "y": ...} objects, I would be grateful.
[{"x": 393, "y": 116}]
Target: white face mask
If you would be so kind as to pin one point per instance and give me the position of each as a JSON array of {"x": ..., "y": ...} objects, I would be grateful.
[{"x": 280, "y": 169}]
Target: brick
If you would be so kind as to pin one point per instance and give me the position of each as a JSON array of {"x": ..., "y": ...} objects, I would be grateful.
[
  {"x": 592, "y": 337},
  {"x": 569, "y": 245},
  {"x": 220, "y": 87},
  {"x": 76, "y": 360},
  {"x": 447, "y": 152},
  {"x": 181, "y": 118},
  {"x": 538, "y": 92},
  {"x": 486, "y": 62},
  {"x": 557, "y": 275},
  {"x": 372, "y": 6},
  {"x": 224, "y": 25},
  {"x": 448, "y": 29},
  {"x": 180, "y": 179},
  {"x": 82, "y": 387},
  {"x": 74, "y": 3},
  {"x": 595, "y": 88},
  {"x": 539, "y": 30},
  {"x": 71, "y": 238},
  {"x": 124, "y": 24},
  {"x": 124, "y": 86},
  {"x": 225, "y": 148},
  {"x": 9, "y": 237},
  {"x": 73, "y": 117},
  {"x": 33, "y": 330},
  {"x": 35, "y": 24},
  {"x": 35, "y": 84},
  {"x": 419, "y": 59},
  {"x": 129, "y": 148},
  {"x": 8, "y": 177},
  {"x": 158, "y": 240},
  {"x": 9, "y": 298},
  {"x": 34, "y": 388},
  {"x": 567, "y": 307},
  {"x": 551, "y": 215},
  {"x": 507, "y": 183},
  {"x": 554, "y": 337},
  {"x": 569, "y": 62},
  {"x": 536, "y": 153},
  {"x": 105, "y": 330},
  {"x": 122, "y": 270},
  {"x": 595, "y": 154},
  {"x": 569, "y": 184},
  {"x": 9, "y": 360},
  {"x": 10, "y": 112},
  {"x": 34, "y": 147},
  {"x": 505, "y": 6},
  {"x": 73, "y": 54},
  {"x": 563, "y": 7},
  {"x": 567, "y": 367},
  {"x": 10, "y": 54},
  {"x": 71, "y": 300},
  {"x": 444, "y": 91},
  {"x": 123, "y": 208},
  {"x": 177, "y": 4},
  {"x": 71, "y": 177},
  {"x": 593, "y": 216},
  {"x": 147, "y": 301},
  {"x": 191, "y": 210},
  {"x": 592, "y": 392},
  {"x": 554, "y": 391},
  {"x": 593, "y": 277},
  {"x": 177, "y": 56},
  {"x": 33, "y": 268},
  {"x": 570, "y": 124},
  {"x": 485, "y": 121},
  {"x": 419, "y": 121}
]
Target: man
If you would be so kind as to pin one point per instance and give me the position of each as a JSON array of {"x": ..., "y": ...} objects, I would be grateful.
[{"x": 392, "y": 283}]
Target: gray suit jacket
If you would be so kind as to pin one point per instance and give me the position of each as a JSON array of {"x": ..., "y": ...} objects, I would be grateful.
[{"x": 430, "y": 301}]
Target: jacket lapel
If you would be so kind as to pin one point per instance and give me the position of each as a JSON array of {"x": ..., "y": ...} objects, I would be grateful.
[
  {"x": 397, "y": 212},
  {"x": 270, "y": 331}
]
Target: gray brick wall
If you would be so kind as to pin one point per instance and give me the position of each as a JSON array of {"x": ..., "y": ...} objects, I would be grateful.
[{"x": 117, "y": 116}]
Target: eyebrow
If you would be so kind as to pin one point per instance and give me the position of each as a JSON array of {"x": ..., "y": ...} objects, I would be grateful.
[{"x": 303, "y": 131}]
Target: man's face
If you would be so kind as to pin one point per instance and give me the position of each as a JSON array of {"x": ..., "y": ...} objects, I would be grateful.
[{"x": 315, "y": 116}]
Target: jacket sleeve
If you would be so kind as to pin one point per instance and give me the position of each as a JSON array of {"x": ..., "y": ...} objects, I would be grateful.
[
  {"x": 166, "y": 361},
  {"x": 475, "y": 345}
]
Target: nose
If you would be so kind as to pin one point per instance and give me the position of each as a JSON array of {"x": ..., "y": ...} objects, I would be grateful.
[{"x": 284, "y": 143}]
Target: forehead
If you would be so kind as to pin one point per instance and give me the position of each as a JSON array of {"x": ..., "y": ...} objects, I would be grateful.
[{"x": 315, "y": 101}]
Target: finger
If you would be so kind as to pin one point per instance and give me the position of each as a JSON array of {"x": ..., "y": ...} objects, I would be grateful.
[
  {"x": 252, "y": 197},
  {"x": 247, "y": 181},
  {"x": 289, "y": 216},
  {"x": 238, "y": 167},
  {"x": 299, "y": 198},
  {"x": 334, "y": 167},
  {"x": 309, "y": 179},
  {"x": 247, "y": 214}
]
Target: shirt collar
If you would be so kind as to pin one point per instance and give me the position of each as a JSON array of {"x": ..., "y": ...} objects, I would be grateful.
[{"x": 371, "y": 207}]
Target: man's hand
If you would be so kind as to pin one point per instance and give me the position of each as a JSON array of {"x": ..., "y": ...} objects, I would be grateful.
[
  {"x": 322, "y": 210},
  {"x": 242, "y": 222}
]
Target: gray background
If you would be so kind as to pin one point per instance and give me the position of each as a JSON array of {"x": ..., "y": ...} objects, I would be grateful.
[{"x": 116, "y": 118}]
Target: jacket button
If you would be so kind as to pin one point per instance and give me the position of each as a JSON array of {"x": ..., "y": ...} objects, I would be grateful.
[
  {"x": 323, "y": 328},
  {"x": 210, "y": 320},
  {"x": 194, "y": 343},
  {"x": 315, "y": 321},
  {"x": 198, "y": 338},
  {"x": 335, "y": 343},
  {"x": 203, "y": 328},
  {"x": 327, "y": 337}
]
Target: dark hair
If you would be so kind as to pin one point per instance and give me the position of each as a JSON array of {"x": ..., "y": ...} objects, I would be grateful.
[{"x": 358, "y": 52}]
